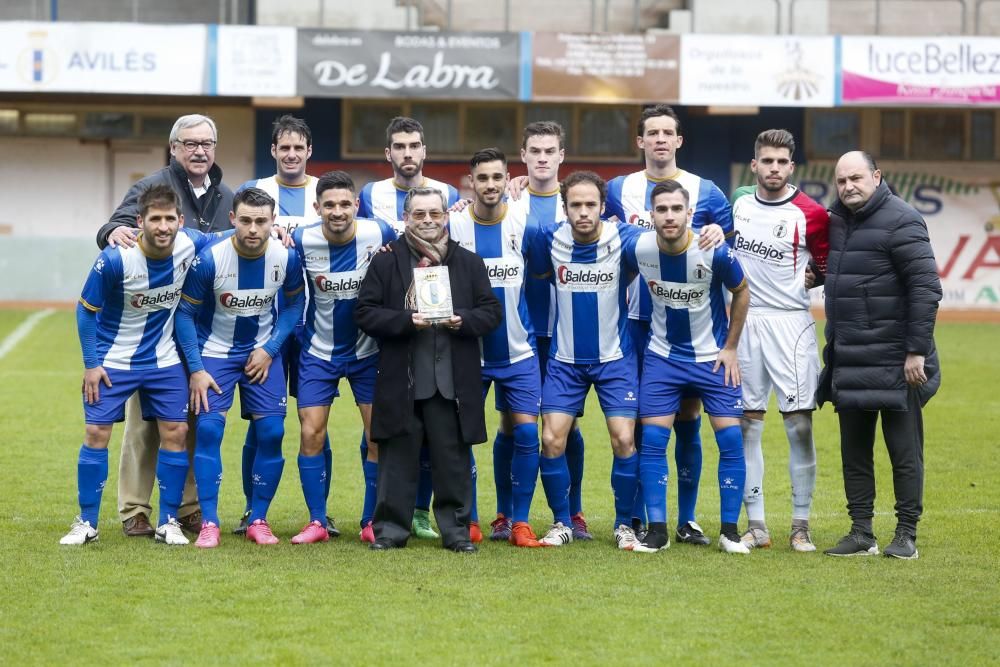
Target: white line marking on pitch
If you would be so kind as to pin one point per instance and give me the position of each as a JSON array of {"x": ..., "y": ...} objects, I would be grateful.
[{"x": 22, "y": 330}]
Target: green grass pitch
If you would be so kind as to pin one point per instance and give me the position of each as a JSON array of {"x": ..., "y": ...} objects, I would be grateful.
[{"x": 131, "y": 601}]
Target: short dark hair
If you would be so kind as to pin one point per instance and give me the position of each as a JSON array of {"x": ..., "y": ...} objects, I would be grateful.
[
  {"x": 543, "y": 128},
  {"x": 653, "y": 112},
  {"x": 774, "y": 139},
  {"x": 334, "y": 180},
  {"x": 160, "y": 195},
  {"x": 869, "y": 160},
  {"x": 252, "y": 197},
  {"x": 578, "y": 177},
  {"x": 287, "y": 124},
  {"x": 421, "y": 192},
  {"x": 668, "y": 187},
  {"x": 402, "y": 124},
  {"x": 487, "y": 155}
]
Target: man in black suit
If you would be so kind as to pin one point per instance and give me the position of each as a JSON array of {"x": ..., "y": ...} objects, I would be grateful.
[{"x": 429, "y": 384}]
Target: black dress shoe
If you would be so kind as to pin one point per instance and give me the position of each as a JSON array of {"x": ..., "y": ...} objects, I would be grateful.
[
  {"x": 464, "y": 547},
  {"x": 383, "y": 545}
]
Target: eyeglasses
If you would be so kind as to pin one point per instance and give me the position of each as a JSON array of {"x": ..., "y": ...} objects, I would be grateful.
[
  {"x": 420, "y": 215},
  {"x": 192, "y": 146}
]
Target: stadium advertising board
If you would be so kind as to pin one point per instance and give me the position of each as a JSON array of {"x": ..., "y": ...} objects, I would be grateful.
[
  {"x": 605, "y": 67},
  {"x": 751, "y": 70},
  {"x": 449, "y": 65},
  {"x": 255, "y": 61},
  {"x": 102, "y": 58},
  {"x": 920, "y": 70}
]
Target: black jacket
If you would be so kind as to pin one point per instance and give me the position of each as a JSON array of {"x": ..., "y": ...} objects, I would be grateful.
[
  {"x": 882, "y": 294},
  {"x": 210, "y": 213},
  {"x": 381, "y": 313}
]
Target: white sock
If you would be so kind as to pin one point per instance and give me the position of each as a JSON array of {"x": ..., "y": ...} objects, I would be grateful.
[
  {"x": 753, "y": 491},
  {"x": 801, "y": 462}
]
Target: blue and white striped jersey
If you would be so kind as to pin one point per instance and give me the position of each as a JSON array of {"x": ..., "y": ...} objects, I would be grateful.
[
  {"x": 294, "y": 203},
  {"x": 334, "y": 274},
  {"x": 236, "y": 296},
  {"x": 135, "y": 298},
  {"x": 628, "y": 201},
  {"x": 503, "y": 244},
  {"x": 689, "y": 320},
  {"x": 383, "y": 200},
  {"x": 590, "y": 281},
  {"x": 546, "y": 208}
]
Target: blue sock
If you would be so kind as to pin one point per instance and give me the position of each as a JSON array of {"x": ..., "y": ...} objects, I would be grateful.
[
  {"x": 249, "y": 453},
  {"x": 371, "y": 487},
  {"x": 171, "y": 472},
  {"x": 91, "y": 476},
  {"x": 364, "y": 447},
  {"x": 312, "y": 470},
  {"x": 424, "y": 487},
  {"x": 524, "y": 469},
  {"x": 474, "y": 471},
  {"x": 687, "y": 456},
  {"x": 268, "y": 465},
  {"x": 208, "y": 463},
  {"x": 328, "y": 468},
  {"x": 639, "y": 507},
  {"x": 555, "y": 481},
  {"x": 653, "y": 470},
  {"x": 624, "y": 477},
  {"x": 574, "y": 459},
  {"x": 732, "y": 472},
  {"x": 503, "y": 454}
]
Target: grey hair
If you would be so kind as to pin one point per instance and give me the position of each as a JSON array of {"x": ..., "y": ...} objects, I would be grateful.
[
  {"x": 192, "y": 120},
  {"x": 419, "y": 192}
]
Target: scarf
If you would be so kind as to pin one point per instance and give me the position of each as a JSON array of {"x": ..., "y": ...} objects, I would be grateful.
[{"x": 431, "y": 253}]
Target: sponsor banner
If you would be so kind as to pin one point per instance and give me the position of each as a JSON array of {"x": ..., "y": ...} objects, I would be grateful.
[
  {"x": 920, "y": 70},
  {"x": 130, "y": 58},
  {"x": 444, "y": 65},
  {"x": 963, "y": 220},
  {"x": 605, "y": 67},
  {"x": 255, "y": 61},
  {"x": 752, "y": 70}
]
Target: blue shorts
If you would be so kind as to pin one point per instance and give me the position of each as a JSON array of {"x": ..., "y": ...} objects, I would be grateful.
[
  {"x": 518, "y": 386},
  {"x": 264, "y": 400},
  {"x": 163, "y": 394},
  {"x": 666, "y": 381},
  {"x": 566, "y": 387},
  {"x": 319, "y": 379},
  {"x": 542, "y": 345}
]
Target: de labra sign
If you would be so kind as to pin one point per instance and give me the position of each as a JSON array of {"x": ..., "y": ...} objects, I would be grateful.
[{"x": 354, "y": 63}]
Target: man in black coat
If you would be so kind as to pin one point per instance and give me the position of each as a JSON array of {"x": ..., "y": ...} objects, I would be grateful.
[
  {"x": 429, "y": 384},
  {"x": 882, "y": 294}
]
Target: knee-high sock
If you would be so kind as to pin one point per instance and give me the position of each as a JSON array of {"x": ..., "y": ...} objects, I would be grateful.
[
  {"x": 753, "y": 493},
  {"x": 312, "y": 473},
  {"x": 474, "y": 471},
  {"x": 328, "y": 468},
  {"x": 555, "y": 481},
  {"x": 91, "y": 476},
  {"x": 424, "y": 486},
  {"x": 268, "y": 465},
  {"x": 624, "y": 478},
  {"x": 208, "y": 463},
  {"x": 524, "y": 469},
  {"x": 653, "y": 471},
  {"x": 687, "y": 456},
  {"x": 371, "y": 491},
  {"x": 574, "y": 459},
  {"x": 732, "y": 473},
  {"x": 171, "y": 473},
  {"x": 503, "y": 455},
  {"x": 801, "y": 463},
  {"x": 249, "y": 453}
]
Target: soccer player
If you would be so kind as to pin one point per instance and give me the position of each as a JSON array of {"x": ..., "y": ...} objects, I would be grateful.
[
  {"x": 335, "y": 253},
  {"x": 126, "y": 322},
  {"x": 658, "y": 136},
  {"x": 383, "y": 200},
  {"x": 692, "y": 349},
  {"x": 590, "y": 347},
  {"x": 779, "y": 232},
  {"x": 230, "y": 332},
  {"x": 502, "y": 235}
]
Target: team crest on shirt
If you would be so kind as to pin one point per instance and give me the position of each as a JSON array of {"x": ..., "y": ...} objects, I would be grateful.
[
  {"x": 277, "y": 273},
  {"x": 701, "y": 272},
  {"x": 513, "y": 243},
  {"x": 780, "y": 230}
]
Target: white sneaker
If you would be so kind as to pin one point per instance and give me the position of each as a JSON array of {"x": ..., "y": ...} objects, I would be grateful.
[
  {"x": 625, "y": 537},
  {"x": 171, "y": 533},
  {"x": 756, "y": 538},
  {"x": 732, "y": 546},
  {"x": 558, "y": 535},
  {"x": 79, "y": 533},
  {"x": 801, "y": 540}
]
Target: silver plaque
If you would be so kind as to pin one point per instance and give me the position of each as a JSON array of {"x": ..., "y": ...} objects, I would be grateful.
[{"x": 433, "y": 291}]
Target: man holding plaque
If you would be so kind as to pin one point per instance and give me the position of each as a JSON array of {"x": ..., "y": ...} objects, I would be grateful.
[{"x": 429, "y": 302}]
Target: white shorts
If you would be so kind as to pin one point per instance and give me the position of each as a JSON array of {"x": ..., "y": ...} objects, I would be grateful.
[{"x": 779, "y": 350}]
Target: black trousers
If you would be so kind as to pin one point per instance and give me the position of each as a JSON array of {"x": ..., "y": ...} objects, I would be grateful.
[
  {"x": 904, "y": 438},
  {"x": 435, "y": 422}
]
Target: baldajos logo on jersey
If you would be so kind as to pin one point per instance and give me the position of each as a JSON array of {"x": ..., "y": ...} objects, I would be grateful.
[
  {"x": 162, "y": 298},
  {"x": 342, "y": 285},
  {"x": 585, "y": 277},
  {"x": 757, "y": 249},
  {"x": 678, "y": 295},
  {"x": 247, "y": 302},
  {"x": 503, "y": 272}
]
